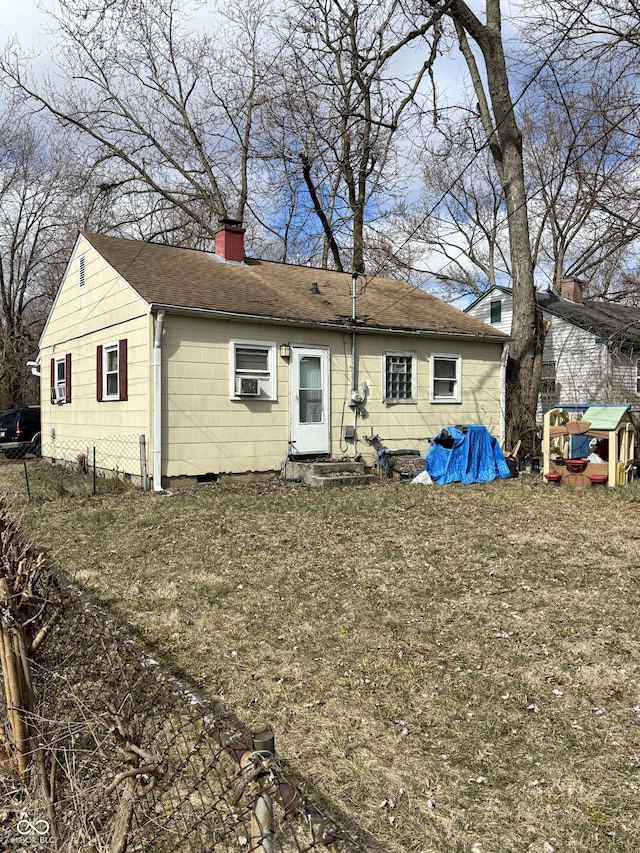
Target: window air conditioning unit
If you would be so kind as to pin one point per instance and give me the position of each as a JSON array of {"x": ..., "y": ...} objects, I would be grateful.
[
  {"x": 58, "y": 394},
  {"x": 247, "y": 386}
]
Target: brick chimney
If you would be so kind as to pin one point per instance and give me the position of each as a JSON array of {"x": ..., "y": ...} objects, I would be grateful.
[
  {"x": 230, "y": 240},
  {"x": 571, "y": 289}
]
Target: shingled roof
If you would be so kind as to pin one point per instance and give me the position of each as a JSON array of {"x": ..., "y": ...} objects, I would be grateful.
[
  {"x": 615, "y": 323},
  {"x": 190, "y": 280}
]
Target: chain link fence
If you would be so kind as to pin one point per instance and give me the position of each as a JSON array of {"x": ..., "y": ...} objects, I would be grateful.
[
  {"x": 103, "y": 750},
  {"x": 101, "y": 460}
]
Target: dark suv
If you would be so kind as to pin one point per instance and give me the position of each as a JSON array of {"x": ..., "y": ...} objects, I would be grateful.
[{"x": 20, "y": 431}]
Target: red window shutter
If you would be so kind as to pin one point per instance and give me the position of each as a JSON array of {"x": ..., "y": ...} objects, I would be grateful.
[
  {"x": 67, "y": 377},
  {"x": 123, "y": 370},
  {"x": 52, "y": 383},
  {"x": 99, "y": 393}
]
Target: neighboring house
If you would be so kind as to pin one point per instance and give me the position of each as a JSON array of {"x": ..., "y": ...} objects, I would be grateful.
[
  {"x": 591, "y": 349},
  {"x": 226, "y": 363}
]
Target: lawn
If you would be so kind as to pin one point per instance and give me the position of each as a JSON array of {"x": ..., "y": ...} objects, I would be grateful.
[{"x": 454, "y": 668}]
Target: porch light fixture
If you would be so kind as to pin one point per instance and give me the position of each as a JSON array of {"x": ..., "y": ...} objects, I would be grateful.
[{"x": 285, "y": 351}]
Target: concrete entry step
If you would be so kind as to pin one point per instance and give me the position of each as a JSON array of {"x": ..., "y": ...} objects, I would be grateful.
[
  {"x": 344, "y": 479},
  {"x": 329, "y": 473}
]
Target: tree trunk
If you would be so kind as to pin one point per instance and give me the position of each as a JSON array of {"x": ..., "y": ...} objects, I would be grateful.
[{"x": 505, "y": 143}]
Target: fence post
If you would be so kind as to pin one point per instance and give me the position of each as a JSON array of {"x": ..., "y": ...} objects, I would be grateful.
[
  {"x": 143, "y": 463},
  {"x": 26, "y": 479},
  {"x": 254, "y": 765},
  {"x": 94, "y": 470}
]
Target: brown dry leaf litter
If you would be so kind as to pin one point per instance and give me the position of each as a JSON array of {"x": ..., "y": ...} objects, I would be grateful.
[{"x": 455, "y": 668}]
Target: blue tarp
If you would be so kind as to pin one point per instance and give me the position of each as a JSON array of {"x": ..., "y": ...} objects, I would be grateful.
[{"x": 471, "y": 456}]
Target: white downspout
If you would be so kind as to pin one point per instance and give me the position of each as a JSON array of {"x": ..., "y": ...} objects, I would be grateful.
[
  {"x": 503, "y": 393},
  {"x": 157, "y": 404}
]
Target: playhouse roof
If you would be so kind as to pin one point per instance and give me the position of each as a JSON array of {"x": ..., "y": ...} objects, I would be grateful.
[{"x": 605, "y": 417}]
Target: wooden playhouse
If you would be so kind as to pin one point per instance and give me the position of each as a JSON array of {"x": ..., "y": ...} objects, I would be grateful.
[{"x": 594, "y": 446}]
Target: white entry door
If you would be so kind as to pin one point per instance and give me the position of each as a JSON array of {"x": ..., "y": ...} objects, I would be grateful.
[{"x": 309, "y": 403}]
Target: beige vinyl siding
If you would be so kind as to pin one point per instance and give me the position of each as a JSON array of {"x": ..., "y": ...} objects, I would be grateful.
[
  {"x": 206, "y": 431},
  {"x": 105, "y": 300},
  {"x": 408, "y": 425},
  {"x": 103, "y": 311}
]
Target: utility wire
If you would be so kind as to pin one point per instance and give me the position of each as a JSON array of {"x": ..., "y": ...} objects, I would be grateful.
[{"x": 571, "y": 161}]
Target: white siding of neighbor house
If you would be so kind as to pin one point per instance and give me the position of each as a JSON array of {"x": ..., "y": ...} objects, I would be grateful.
[
  {"x": 104, "y": 310},
  {"x": 585, "y": 371},
  {"x": 624, "y": 380},
  {"x": 582, "y": 364},
  {"x": 481, "y": 310}
]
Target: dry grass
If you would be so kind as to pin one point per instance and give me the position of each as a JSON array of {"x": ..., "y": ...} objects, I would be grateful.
[{"x": 455, "y": 668}]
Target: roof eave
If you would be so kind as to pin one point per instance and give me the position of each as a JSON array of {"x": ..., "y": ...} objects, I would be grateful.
[
  {"x": 609, "y": 338},
  {"x": 333, "y": 325}
]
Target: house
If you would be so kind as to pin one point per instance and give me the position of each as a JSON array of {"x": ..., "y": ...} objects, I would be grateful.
[
  {"x": 221, "y": 363},
  {"x": 591, "y": 349}
]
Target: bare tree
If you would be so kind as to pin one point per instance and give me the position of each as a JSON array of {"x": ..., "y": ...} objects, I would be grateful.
[
  {"x": 38, "y": 197},
  {"x": 581, "y": 168},
  {"x": 583, "y": 174},
  {"x": 345, "y": 107},
  {"x": 601, "y": 44},
  {"x": 570, "y": 184},
  {"x": 503, "y": 137},
  {"x": 460, "y": 219},
  {"x": 167, "y": 110}
]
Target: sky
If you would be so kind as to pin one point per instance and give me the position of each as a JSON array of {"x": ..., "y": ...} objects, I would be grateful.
[
  {"x": 21, "y": 18},
  {"x": 23, "y": 21}
]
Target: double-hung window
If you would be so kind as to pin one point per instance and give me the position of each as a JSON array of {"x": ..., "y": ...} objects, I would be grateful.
[
  {"x": 495, "y": 307},
  {"x": 400, "y": 378},
  {"x": 60, "y": 383},
  {"x": 252, "y": 370},
  {"x": 111, "y": 371},
  {"x": 446, "y": 378}
]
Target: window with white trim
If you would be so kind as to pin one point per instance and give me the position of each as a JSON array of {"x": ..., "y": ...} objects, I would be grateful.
[
  {"x": 252, "y": 370},
  {"x": 446, "y": 378},
  {"x": 61, "y": 379},
  {"x": 110, "y": 368},
  {"x": 399, "y": 377},
  {"x": 495, "y": 308},
  {"x": 112, "y": 371}
]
